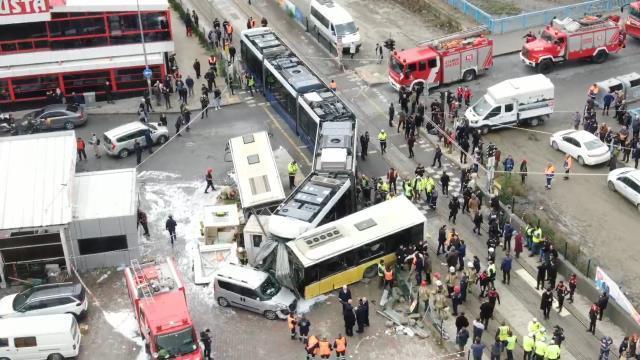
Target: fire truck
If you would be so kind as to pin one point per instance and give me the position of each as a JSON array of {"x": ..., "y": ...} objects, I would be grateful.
[
  {"x": 632, "y": 25},
  {"x": 160, "y": 306},
  {"x": 460, "y": 56},
  {"x": 591, "y": 38}
]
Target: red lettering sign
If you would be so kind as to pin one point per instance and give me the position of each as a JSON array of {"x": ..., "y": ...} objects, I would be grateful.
[
  {"x": 452, "y": 62},
  {"x": 23, "y": 7},
  {"x": 469, "y": 57}
]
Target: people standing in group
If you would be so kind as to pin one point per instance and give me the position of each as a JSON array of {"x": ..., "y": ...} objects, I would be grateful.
[
  {"x": 292, "y": 322},
  {"x": 170, "y": 226},
  {"x": 349, "y": 317}
]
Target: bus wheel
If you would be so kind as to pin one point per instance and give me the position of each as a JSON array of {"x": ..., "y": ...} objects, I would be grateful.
[
  {"x": 371, "y": 271},
  {"x": 545, "y": 66}
]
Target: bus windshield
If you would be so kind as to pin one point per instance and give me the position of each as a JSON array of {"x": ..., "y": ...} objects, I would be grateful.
[
  {"x": 396, "y": 66},
  {"x": 346, "y": 29},
  {"x": 269, "y": 288},
  {"x": 177, "y": 343},
  {"x": 481, "y": 107}
]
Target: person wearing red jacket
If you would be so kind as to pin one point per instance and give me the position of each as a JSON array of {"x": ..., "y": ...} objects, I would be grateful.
[
  {"x": 80, "y": 145},
  {"x": 467, "y": 96}
]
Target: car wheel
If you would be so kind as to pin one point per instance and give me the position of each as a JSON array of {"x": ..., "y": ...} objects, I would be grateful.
[
  {"x": 55, "y": 357},
  {"x": 545, "y": 66},
  {"x": 469, "y": 75},
  {"x": 69, "y": 125},
  {"x": 600, "y": 57},
  {"x": 162, "y": 140},
  {"x": 554, "y": 145},
  {"x": 371, "y": 272},
  {"x": 271, "y": 315},
  {"x": 223, "y": 302},
  {"x": 611, "y": 186},
  {"x": 534, "y": 122},
  {"x": 123, "y": 153},
  {"x": 581, "y": 160}
]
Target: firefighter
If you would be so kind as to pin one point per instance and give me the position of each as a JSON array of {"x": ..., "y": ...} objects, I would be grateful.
[
  {"x": 340, "y": 346},
  {"x": 292, "y": 321},
  {"x": 312, "y": 347},
  {"x": 324, "y": 348}
]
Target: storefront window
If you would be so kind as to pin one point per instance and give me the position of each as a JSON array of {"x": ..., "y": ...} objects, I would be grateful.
[
  {"x": 77, "y": 27},
  {"x": 85, "y": 82},
  {"x": 4, "y": 90},
  {"x": 34, "y": 87},
  {"x": 23, "y": 31},
  {"x": 131, "y": 78}
]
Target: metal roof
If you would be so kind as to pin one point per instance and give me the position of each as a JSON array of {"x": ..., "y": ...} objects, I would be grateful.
[
  {"x": 104, "y": 194},
  {"x": 36, "y": 176}
]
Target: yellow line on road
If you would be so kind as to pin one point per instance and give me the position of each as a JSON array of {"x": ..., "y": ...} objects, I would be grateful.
[{"x": 293, "y": 144}]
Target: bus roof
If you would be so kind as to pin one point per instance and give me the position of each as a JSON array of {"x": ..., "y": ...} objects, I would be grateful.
[
  {"x": 256, "y": 170},
  {"x": 35, "y": 325},
  {"x": 355, "y": 230}
]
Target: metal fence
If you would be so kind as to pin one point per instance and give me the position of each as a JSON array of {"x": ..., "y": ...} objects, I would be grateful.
[{"x": 535, "y": 18}]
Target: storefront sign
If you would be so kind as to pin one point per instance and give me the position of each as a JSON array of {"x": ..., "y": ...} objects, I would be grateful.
[
  {"x": 606, "y": 284},
  {"x": 24, "y": 11}
]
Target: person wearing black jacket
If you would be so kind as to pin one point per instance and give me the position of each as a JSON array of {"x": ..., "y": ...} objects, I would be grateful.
[
  {"x": 364, "y": 303},
  {"x": 542, "y": 271},
  {"x": 170, "y": 226},
  {"x": 344, "y": 295},
  {"x": 360, "y": 312},
  {"x": 442, "y": 239},
  {"x": 603, "y": 301},
  {"x": 454, "y": 206},
  {"x": 444, "y": 181},
  {"x": 546, "y": 302},
  {"x": 364, "y": 145},
  {"x": 349, "y": 317},
  {"x": 206, "y": 343},
  {"x": 461, "y": 322}
]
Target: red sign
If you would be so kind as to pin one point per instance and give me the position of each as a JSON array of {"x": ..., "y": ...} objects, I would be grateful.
[{"x": 23, "y": 7}]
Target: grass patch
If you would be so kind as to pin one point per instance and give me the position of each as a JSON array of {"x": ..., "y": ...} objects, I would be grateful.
[
  {"x": 510, "y": 188},
  {"x": 433, "y": 14},
  {"x": 498, "y": 7}
]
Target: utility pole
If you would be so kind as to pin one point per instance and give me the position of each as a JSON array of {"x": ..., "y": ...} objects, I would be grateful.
[{"x": 144, "y": 46}]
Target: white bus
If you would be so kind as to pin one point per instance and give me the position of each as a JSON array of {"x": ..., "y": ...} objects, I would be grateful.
[
  {"x": 257, "y": 176},
  {"x": 344, "y": 251}
]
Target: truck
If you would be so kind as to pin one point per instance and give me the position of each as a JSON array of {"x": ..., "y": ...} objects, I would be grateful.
[
  {"x": 160, "y": 307},
  {"x": 590, "y": 38},
  {"x": 632, "y": 24},
  {"x": 523, "y": 100},
  {"x": 460, "y": 56}
]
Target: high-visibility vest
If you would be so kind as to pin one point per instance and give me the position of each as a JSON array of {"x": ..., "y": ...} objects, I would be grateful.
[
  {"x": 511, "y": 342},
  {"x": 541, "y": 347},
  {"x": 552, "y": 352},
  {"x": 533, "y": 327},
  {"x": 380, "y": 270},
  {"x": 291, "y": 321},
  {"x": 324, "y": 348},
  {"x": 408, "y": 190},
  {"x": 527, "y": 343},
  {"x": 311, "y": 342},
  {"x": 537, "y": 235},
  {"x": 292, "y": 168},
  {"x": 388, "y": 275},
  {"x": 503, "y": 332},
  {"x": 382, "y": 136},
  {"x": 341, "y": 344},
  {"x": 528, "y": 231}
]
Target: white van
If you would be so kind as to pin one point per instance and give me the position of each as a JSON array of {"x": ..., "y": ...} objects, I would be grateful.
[
  {"x": 120, "y": 141},
  {"x": 330, "y": 21},
  {"x": 523, "y": 100},
  {"x": 50, "y": 337}
]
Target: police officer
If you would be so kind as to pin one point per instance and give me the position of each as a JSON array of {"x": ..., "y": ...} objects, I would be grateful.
[
  {"x": 540, "y": 349},
  {"x": 528, "y": 344},
  {"x": 382, "y": 137},
  {"x": 511, "y": 345},
  {"x": 552, "y": 352},
  {"x": 292, "y": 169}
]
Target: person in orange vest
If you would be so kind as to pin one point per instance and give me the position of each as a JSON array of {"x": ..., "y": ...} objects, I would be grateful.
[
  {"x": 333, "y": 86},
  {"x": 340, "y": 346},
  {"x": 549, "y": 173},
  {"x": 324, "y": 348},
  {"x": 292, "y": 321},
  {"x": 312, "y": 347},
  {"x": 568, "y": 161},
  {"x": 388, "y": 277},
  {"x": 229, "y": 30}
]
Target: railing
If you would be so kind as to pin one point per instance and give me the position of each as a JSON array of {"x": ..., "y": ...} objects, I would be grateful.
[{"x": 535, "y": 18}]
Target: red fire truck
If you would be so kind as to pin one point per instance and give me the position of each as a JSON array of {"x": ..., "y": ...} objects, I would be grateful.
[
  {"x": 632, "y": 25},
  {"x": 460, "y": 56},
  {"x": 592, "y": 38},
  {"x": 160, "y": 305}
]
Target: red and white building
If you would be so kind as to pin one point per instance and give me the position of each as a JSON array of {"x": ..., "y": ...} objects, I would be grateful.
[{"x": 78, "y": 45}]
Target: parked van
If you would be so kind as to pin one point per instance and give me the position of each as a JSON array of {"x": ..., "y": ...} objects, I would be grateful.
[
  {"x": 253, "y": 290},
  {"x": 50, "y": 337},
  {"x": 524, "y": 100},
  {"x": 328, "y": 20},
  {"x": 120, "y": 141}
]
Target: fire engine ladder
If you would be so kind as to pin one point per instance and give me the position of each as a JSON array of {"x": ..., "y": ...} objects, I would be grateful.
[
  {"x": 459, "y": 35},
  {"x": 141, "y": 280}
]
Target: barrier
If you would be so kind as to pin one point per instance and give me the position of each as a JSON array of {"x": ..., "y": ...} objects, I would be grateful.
[{"x": 535, "y": 18}]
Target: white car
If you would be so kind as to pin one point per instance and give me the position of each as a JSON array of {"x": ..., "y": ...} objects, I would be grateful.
[
  {"x": 120, "y": 141},
  {"x": 61, "y": 298},
  {"x": 581, "y": 145},
  {"x": 626, "y": 181}
]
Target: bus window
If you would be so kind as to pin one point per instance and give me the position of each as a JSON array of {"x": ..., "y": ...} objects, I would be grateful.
[
  {"x": 331, "y": 267},
  {"x": 370, "y": 251}
]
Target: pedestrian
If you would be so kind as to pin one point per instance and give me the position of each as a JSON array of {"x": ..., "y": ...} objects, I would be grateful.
[
  {"x": 505, "y": 266},
  {"x": 209, "y": 179},
  {"x": 477, "y": 222},
  {"x": 461, "y": 322},
  {"x": 344, "y": 295},
  {"x": 624, "y": 345},
  {"x": 196, "y": 68},
  {"x": 462, "y": 337},
  {"x": 444, "y": 182},
  {"x": 303, "y": 328},
  {"x": 204, "y": 104},
  {"x": 138, "y": 150},
  {"x": 365, "y": 311},
  {"x": 352, "y": 49},
  {"x": 549, "y": 173},
  {"x": 546, "y": 301},
  {"x": 217, "y": 98},
  {"x": 382, "y": 138},
  {"x": 568, "y": 161},
  {"x": 292, "y": 169},
  {"x": 561, "y": 292},
  {"x": 603, "y": 301},
  {"x": 454, "y": 206},
  {"x": 477, "y": 349},
  {"x": 148, "y": 140},
  {"x": 478, "y": 329},
  {"x": 349, "y": 317},
  {"x": 496, "y": 350},
  {"x": 170, "y": 226},
  {"x": 577, "y": 119},
  {"x": 190, "y": 83},
  {"x": 391, "y": 114},
  {"x": 107, "y": 92},
  {"x": 410, "y": 143},
  {"x": 205, "y": 336},
  {"x": 232, "y": 53},
  {"x": 195, "y": 18},
  {"x": 552, "y": 271},
  {"x": 437, "y": 156},
  {"x": 605, "y": 347},
  {"x": 364, "y": 145},
  {"x": 378, "y": 53},
  {"x": 518, "y": 246},
  {"x": 541, "y": 275},
  {"x": 188, "y": 24},
  {"x": 508, "y": 164},
  {"x": 167, "y": 97},
  {"x": 360, "y": 317},
  {"x": 80, "y": 146},
  {"x": 523, "y": 170},
  {"x": 340, "y": 346},
  {"x": 486, "y": 312},
  {"x": 95, "y": 144},
  {"x": 606, "y": 102},
  {"x": 178, "y": 124},
  {"x": 333, "y": 86},
  {"x": 573, "y": 283},
  {"x": 142, "y": 221},
  {"x": 594, "y": 310}
]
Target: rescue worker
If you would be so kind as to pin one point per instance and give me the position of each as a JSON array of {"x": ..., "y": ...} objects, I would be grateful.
[
  {"x": 568, "y": 161},
  {"x": 528, "y": 344},
  {"x": 423, "y": 296},
  {"x": 382, "y": 137},
  {"x": 573, "y": 283},
  {"x": 381, "y": 270},
  {"x": 503, "y": 333},
  {"x": 340, "y": 346},
  {"x": 549, "y": 173},
  {"x": 407, "y": 188},
  {"x": 324, "y": 348},
  {"x": 536, "y": 239},
  {"x": 594, "y": 310},
  {"x": 540, "y": 349},
  {"x": 511, "y": 345},
  {"x": 292, "y": 321},
  {"x": 303, "y": 328},
  {"x": 209, "y": 178},
  {"x": 561, "y": 292},
  {"x": 440, "y": 301},
  {"x": 312, "y": 347},
  {"x": 292, "y": 169},
  {"x": 534, "y": 326},
  {"x": 388, "y": 277},
  {"x": 552, "y": 352}
]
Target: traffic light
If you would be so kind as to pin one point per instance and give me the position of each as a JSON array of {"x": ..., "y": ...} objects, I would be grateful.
[{"x": 390, "y": 44}]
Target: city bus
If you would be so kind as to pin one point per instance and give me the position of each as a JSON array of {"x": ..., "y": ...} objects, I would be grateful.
[{"x": 344, "y": 251}]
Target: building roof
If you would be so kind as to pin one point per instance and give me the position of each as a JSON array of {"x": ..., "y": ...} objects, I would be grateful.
[
  {"x": 36, "y": 178},
  {"x": 104, "y": 194},
  {"x": 110, "y": 5}
]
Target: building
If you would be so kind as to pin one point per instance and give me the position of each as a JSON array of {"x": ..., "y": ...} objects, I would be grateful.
[
  {"x": 52, "y": 218},
  {"x": 79, "y": 45}
]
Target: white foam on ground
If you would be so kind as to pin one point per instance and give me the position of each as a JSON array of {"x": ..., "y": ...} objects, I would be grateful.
[
  {"x": 124, "y": 322},
  {"x": 304, "y": 306}
]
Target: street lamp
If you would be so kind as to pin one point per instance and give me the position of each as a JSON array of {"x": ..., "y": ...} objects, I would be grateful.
[{"x": 144, "y": 47}]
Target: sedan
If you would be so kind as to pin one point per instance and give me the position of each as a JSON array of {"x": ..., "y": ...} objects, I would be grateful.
[
  {"x": 53, "y": 117},
  {"x": 626, "y": 182},
  {"x": 581, "y": 145}
]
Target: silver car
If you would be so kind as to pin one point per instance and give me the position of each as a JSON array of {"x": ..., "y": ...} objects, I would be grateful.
[
  {"x": 53, "y": 117},
  {"x": 253, "y": 290},
  {"x": 120, "y": 141}
]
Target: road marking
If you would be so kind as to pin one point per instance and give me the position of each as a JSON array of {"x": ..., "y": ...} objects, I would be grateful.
[
  {"x": 293, "y": 144},
  {"x": 372, "y": 151},
  {"x": 529, "y": 279},
  {"x": 402, "y": 146}
]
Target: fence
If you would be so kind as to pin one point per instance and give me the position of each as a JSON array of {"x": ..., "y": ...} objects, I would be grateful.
[{"x": 535, "y": 18}]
